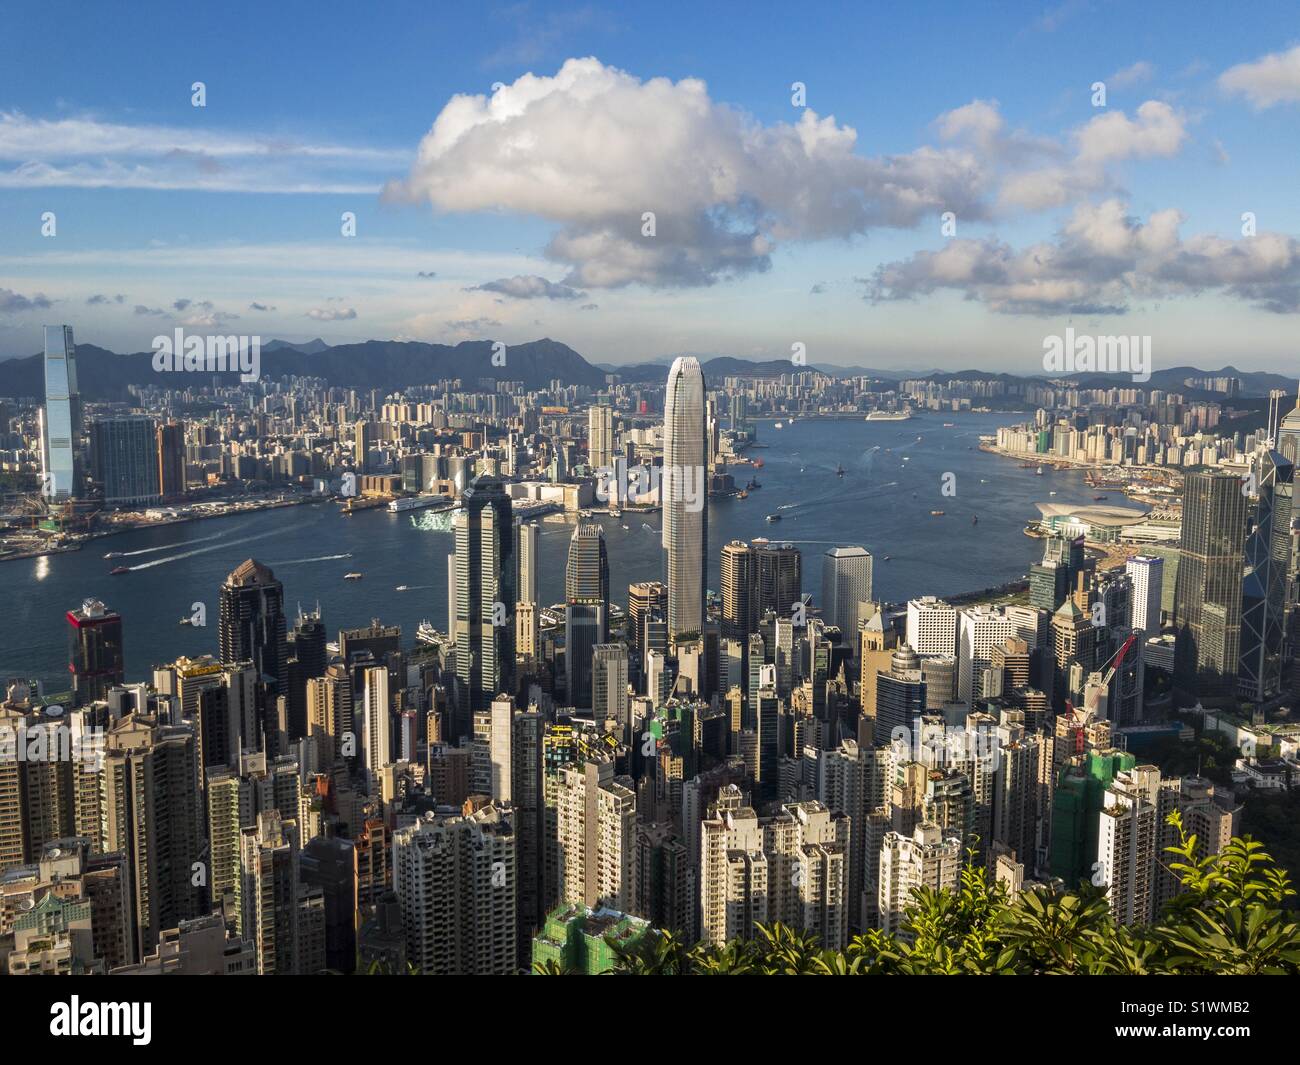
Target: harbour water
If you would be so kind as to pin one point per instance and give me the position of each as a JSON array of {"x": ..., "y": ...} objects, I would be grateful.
[{"x": 894, "y": 477}]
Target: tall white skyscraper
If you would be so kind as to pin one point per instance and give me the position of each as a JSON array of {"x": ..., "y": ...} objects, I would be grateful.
[
  {"x": 846, "y": 582},
  {"x": 979, "y": 631},
  {"x": 376, "y": 741},
  {"x": 685, "y": 496},
  {"x": 931, "y": 626},
  {"x": 1147, "y": 573}
]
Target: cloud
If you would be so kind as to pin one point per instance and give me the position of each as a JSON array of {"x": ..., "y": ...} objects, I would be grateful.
[
  {"x": 255, "y": 306},
  {"x": 590, "y": 307},
  {"x": 596, "y": 150},
  {"x": 1156, "y": 131},
  {"x": 155, "y": 312},
  {"x": 427, "y": 274},
  {"x": 99, "y": 298},
  {"x": 472, "y": 325},
  {"x": 332, "y": 314},
  {"x": 11, "y": 301},
  {"x": 1271, "y": 79},
  {"x": 1099, "y": 263},
  {"x": 88, "y": 152},
  {"x": 1131, "y": 75},
  {"x": 530, "y": 287}
]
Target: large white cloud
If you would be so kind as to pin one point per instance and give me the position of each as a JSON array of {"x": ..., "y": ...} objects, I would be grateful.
[
  {"x": 1100, "y": 262},
  {"x": 593, "y": 148}
]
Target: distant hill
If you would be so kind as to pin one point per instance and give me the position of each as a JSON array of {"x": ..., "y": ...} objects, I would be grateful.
[
  {"x": 385, "y": 364},
  {"x": 309, "y": 347},
  {"x": 392, "y": 365}
]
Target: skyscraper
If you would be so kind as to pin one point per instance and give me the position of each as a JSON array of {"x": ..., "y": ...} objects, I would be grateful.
[
  {"x": 644, "y": 598},
  {"x": 485, "y": 593},
  {"x": 778, "y": 577},
  {"x": 124, "y": 459},
  {"x": 1264, "y": 584},
  {"x": 609, "y": 698},
  {"x": 738, "y": 602},
  {"x": 846, "y": 582},
  {"x": 94, "y": 651},
  {"x": 1207, "y": 593},
  {"x": 60, "y": 418},
  {"x": 171, "y": 459},
  {"x": 455, "y": 879},
  {"x": 252, "y": 623},
  {"x": 526, "y": 609},
  {"x": 600, "y": 437},
  {"x": 586, "y": 608},
  {"x": 685, "y": 496},
  {"x": 1147, "y": 573}
]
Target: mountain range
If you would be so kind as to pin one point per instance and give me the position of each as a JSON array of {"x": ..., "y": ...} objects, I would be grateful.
[{"x": 390, "y": 365}]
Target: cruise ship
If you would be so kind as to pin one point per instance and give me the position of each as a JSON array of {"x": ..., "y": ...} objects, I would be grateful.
[
  {"x": 397, "y": 506},
  {"x": 890, "y": 415}
]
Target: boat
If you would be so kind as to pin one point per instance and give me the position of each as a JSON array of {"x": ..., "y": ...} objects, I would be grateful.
[
  {"x": 400, "y": 588},
  {"x": 839, "y": 470},
  {"x": 777, "y": 426},
  {"x": 887, "y": 558},
  {"x": 936, "y": 513},
  {"x": 624, "y": 528},
  {"x": 185, "y": 620},
  {"x": 984, "y": 480},
  {"x": 1039, "y": 471},
  {"x": 950, "y": 425},
  {"x": 774, "y": 517},
  {"x": 1051, "y": 493},
  {"x": 1098, "y": 499},
  {"x": 742, "y": 494},
  {"x": 352, "y": 576},
  {"x": 753, "y": 483},
  {"x": 757, "y": 464},
  {"x": 119, "y": 570},
  {"x": 890, "y": 415},
  {"x": 975, "y": 519},
  {"x": 114, "y": 554}
]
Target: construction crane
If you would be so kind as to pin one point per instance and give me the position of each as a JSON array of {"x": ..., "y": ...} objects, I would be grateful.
[{"x": 1097, "y": 690}]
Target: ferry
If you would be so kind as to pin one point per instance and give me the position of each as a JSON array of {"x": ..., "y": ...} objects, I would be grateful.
[
  {"x": 117, "y": 571},
  {"x": 114, "y": 554},
  {"x": 400, "y": 588},
  {"x": 352, "y": 576},
  {"x": 936, "y": 513}
]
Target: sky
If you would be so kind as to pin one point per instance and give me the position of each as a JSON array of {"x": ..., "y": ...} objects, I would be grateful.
[{"x": 927, "y": 186}]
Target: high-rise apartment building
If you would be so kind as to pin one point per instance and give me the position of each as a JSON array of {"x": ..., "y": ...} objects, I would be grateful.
[{"x": 455, "y": 880}]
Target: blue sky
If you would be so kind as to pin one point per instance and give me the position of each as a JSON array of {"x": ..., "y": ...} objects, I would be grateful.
[{"x": 776, "y": 223}]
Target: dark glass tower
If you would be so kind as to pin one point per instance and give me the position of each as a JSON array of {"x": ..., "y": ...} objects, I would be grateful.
[
  {"x": 253, "y": 627},
  {"x": 1264, "y": 585},
  {"x": 586, "y": 609},
  {"x": 483, "y": 625},
  {"x": 95, "y": 661},
  {"x": 1207, "y": 593}
]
